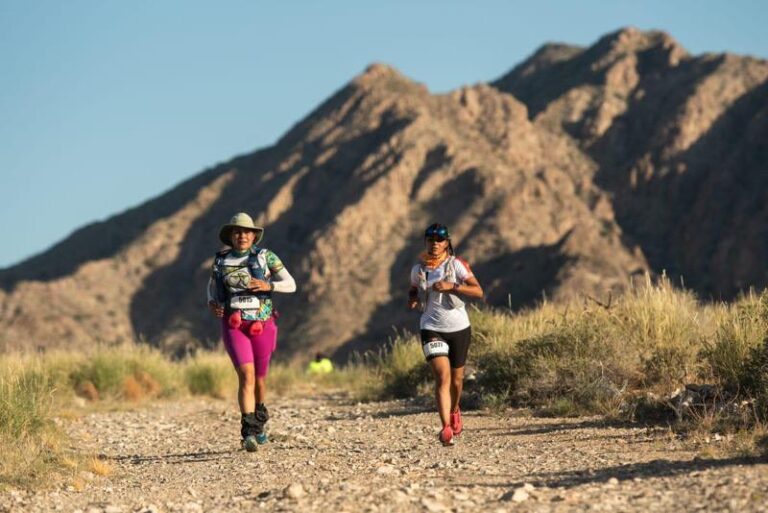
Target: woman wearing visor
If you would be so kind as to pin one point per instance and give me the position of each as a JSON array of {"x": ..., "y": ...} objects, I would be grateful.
[{"x": 438, "y": 284}]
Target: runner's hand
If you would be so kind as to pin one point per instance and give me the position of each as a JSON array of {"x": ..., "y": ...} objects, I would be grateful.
[
  {"x": 259, "y": 285},
  {"x": 442, "y": 286},
  {"x": 216, "y": 308},
  {"x": 413, "y": 304}
]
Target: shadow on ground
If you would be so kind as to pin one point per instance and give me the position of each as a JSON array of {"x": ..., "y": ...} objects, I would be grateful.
[{"x": 185, "y": 457}]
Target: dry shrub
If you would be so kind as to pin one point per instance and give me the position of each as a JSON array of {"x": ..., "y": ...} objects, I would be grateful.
[
  {"x": 132, "y": 390},
  {"x": 100, "y": 467},
  {"x": 87, "y": 390},
  {"x": 589, "y": 357},
  {"x": 149, "y": 384}
]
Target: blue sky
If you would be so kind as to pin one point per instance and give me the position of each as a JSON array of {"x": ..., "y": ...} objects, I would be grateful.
[{"x": 105, "y": 104}]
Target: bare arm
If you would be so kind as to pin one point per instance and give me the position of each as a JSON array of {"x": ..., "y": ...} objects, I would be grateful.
[
  {"x": 470, "y": 288},
  {"x": 413, "y": 298}
]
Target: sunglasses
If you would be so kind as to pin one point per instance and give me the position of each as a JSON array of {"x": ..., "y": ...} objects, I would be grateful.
[
  {"x": 437, "y": 233},
  {"x": 434, "y": 238}
]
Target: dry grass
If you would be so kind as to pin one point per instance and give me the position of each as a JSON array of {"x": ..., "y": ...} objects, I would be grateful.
[
  {"x": 32, "y": 387},
  {"x": 620, "y": 360},
  {"x": 100, "y": 467}
]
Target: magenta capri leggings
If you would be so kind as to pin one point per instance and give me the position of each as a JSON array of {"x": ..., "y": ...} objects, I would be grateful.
[{"x": 244, "y": 348}]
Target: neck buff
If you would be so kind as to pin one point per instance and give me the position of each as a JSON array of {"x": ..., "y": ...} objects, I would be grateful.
[
  {"x": 237, "y": 253},
  {"x": 433, "y": 261}
]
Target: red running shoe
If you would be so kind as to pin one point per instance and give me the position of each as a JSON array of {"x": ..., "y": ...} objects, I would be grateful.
[
  {"x": 446, "y": 436},
  {"x": 456, "y": 424}
]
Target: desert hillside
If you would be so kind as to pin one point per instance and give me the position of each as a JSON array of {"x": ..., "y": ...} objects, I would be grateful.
[{"x": 574, "y": 171}]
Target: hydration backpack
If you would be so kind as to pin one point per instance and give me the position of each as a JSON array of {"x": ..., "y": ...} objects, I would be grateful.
[{"x": 257, "y": 267}]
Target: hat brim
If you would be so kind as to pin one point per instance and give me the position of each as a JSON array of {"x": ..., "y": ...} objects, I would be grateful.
[{"x": 225, "y": 234}]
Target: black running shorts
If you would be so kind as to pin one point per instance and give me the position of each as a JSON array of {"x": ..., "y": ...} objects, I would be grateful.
[{"x": 453, "y": 345}]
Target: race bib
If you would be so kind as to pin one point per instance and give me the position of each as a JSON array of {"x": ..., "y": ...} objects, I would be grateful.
[
  {"x": 244, "y": 303},
  {"x": 435, "y": 347}
]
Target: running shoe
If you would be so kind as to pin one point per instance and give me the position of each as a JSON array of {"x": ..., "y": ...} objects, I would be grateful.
[
  {"x": 262, "y": 438},
  {"x": 446, "y": 436},
  {"x": 456, "y": 423},
  {"x": 250, "y": 442}
]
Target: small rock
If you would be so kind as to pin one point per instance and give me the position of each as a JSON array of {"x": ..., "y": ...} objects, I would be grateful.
[
  {"x": 295, "y": 491},
  {"x": 613, "y": 481},
  {"x": 520, "y": 495},
  {"x": 387, "y": 470},
  {"x": 192, "y": 507},
  {"x": 432, "y": 505},
  {"x": 399, "y": 496}
]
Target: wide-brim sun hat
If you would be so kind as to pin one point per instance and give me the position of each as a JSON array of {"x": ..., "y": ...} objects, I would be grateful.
[{"x": 240, "y": 220}]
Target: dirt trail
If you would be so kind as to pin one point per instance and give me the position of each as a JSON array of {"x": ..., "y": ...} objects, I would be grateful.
[{"x": 332, "y": 455}]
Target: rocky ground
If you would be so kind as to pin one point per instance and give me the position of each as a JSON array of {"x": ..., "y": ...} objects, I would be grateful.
[{"x": 330, "y": 454}]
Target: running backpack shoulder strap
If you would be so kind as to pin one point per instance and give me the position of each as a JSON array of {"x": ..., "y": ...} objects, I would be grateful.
[
  {"x": 254, "y": 264},
  {"x": 258, "y": 268},
  {"x": 450, "y": 270},
  {"x": 218, "y": 276}
]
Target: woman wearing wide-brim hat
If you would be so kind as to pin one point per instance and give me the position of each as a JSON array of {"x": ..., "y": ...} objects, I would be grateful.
[{"x": 240, "y": 290}]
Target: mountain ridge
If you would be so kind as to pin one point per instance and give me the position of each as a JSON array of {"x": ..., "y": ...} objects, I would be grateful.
[{"x": 562, "y": 177}]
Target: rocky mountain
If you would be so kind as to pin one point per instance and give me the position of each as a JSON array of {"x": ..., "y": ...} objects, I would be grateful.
[
  {"x": 576, "y": 170},
  {"x": 680, "y": 144}
]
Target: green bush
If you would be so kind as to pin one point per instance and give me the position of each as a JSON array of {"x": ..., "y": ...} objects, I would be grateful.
[
  {"x": 206, "y": 378},
  {"x": 25, "y": 402},
  {"x": 755, "y": 379},
  {"x": 125, "y": 372},
  {"x": 104, "y": 371},
  {"x": 400, "y": 370},
  {"x": 29, "y": 439}
]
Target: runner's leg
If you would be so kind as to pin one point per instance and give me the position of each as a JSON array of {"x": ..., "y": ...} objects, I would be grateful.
[
  {"x": 246, "y": 376},
  {"x": 441, "y": 369},
  {"x": 459, "y": 342},
  {"x": 263, "y": 345},
  {"x": 457, "y": 385},
  {"x": 240, "y": 351}
]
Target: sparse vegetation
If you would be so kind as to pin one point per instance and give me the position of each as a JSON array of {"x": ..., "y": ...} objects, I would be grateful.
[
  {"x": 35, "y": 387},
  {"x": 625, "y": 360}
]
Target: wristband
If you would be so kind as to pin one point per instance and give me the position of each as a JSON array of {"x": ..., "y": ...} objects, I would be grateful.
[{"x": 456, "y": 286}]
